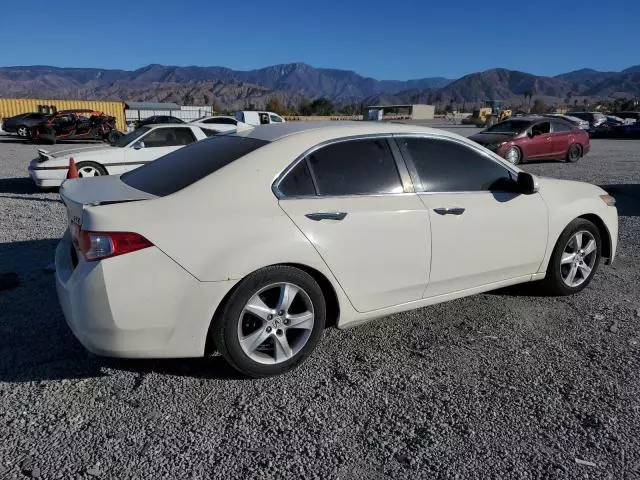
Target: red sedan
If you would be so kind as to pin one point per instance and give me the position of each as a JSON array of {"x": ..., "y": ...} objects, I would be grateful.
[{"x": 535, "y": 138}]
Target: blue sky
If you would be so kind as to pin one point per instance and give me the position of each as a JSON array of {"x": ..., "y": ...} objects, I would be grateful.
[{"x": 385, "y": 40}]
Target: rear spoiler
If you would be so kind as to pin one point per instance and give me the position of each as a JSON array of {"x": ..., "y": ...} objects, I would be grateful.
[{"x": 44, "y": 155}]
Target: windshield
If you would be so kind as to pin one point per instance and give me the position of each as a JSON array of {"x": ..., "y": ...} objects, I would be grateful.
[
  {"x": 130, "y": 137},
  {"x": 510, "y": 126},
  {"x": 185, "y": 166}
]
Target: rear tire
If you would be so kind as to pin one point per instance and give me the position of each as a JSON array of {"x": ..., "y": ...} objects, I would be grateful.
[
  {"x": 574, "y": 260},
  {"x": 90, "y": 169},
  {"x": 270, "y": 339},
  {"x": 22, "y": 131},
  {"x": 574, "y": 153}
]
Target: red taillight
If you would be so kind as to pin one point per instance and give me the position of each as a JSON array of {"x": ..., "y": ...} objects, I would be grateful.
[{"x": 101, "y": 245}]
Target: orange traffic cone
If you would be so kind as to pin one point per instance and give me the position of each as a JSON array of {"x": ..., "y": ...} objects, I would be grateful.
[{"x": 73, "y": 171}]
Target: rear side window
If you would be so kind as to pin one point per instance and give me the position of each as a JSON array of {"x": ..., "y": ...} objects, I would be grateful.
[
  {"x": 355, "y": 167},
  {"x": 298, "y": 182},
  {"x": 559, "y": 127},
  {"x": 185, "y": 166},
  {"x": 446, "y": 166}
]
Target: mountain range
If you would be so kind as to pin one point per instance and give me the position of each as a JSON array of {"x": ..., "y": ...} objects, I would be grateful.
[{"x": 291, "y": 83}]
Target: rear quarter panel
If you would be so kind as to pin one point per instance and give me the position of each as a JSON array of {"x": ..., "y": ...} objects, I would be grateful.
[{"x": 223, "y": 227}]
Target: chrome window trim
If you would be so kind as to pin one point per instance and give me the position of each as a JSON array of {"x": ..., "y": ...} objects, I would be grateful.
[
  {"x": 477, "y": 148},
  {"x": 386, "y": 136}
]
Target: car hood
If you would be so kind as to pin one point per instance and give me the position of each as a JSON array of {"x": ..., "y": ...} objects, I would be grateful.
[
  {"x": 560, "y": 192},
  {"x": 80, "y": 154},
  {"x": 491, "y": 138}
]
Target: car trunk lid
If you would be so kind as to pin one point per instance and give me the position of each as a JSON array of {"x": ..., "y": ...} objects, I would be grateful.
[{"x": 79, "y": 193}]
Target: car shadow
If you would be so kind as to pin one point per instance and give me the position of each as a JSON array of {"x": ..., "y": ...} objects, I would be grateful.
[
  {"x": 627, "y": 197},
  {"x": 22, "y": 186},
  {"x": 36, "y": 342}
]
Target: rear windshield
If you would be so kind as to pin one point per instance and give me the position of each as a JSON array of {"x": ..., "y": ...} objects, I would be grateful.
[{"x": 185, "y": 166}]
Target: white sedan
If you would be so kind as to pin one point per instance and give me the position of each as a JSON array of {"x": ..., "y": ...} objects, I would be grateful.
[
  {"x": 252, "y": 243},
  {"x": 218, "y": 122},
  {"x": 131, "y": 151}
]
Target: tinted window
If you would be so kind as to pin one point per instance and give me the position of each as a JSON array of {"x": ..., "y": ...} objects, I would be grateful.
[
  {"x": 222, "y": 121},
  {"x": 356, "y": 167},
  {"x": 275, "y": 119},
  {"x": 541, "y": 128},
  {"x": 208, "y": 132},
  {"x": 168, "y": 137},
  {"x": 446, "y": 166},
  {"x": 130, "y": 137},
  {"x": 185, "y": 166},
  {"x": 561, "y": 127},
  {"x": 298, "y": 182}
]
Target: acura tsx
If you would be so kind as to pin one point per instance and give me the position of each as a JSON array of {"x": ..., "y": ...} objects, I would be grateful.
[{"x": 251, "y": 243}]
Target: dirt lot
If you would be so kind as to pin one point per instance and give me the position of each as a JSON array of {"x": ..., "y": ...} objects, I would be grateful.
[{"x": 501, "y": 385}]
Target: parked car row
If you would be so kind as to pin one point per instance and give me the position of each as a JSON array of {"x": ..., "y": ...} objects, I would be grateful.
[
  {"x": 311, "y": 241},
  {"x": 79, "y": 124}
]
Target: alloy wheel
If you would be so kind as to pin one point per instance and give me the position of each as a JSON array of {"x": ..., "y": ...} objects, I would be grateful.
[
  {"x": 276, "y": 323},
  {"x": 22, "y": 131},
  {"x": 88, "y": 171},
  {"x": 513, "y": 155},
  {"x": 578, "y": 258}
]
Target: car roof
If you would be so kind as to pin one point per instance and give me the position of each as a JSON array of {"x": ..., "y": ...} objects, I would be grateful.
[
  {"x": 169, "y": 125},
  {"x": 77, "y": 110},
  {"x": 334, "y": 129}
]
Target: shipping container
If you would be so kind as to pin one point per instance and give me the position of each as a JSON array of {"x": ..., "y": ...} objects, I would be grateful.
[{"x": 10, "y": 107}]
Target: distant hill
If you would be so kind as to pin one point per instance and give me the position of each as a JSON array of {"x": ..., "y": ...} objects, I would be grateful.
[
  {"x": 291, "y": 83},
  {"x": 291, "y": 80}
]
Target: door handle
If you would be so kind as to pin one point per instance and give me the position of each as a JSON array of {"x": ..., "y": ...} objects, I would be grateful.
[
  {"x": 317, "y": 216},
  {"x": 449, "y": 211}
]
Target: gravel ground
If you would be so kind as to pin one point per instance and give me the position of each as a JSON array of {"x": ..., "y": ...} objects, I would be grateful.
[{"x": 501, "y": 385}]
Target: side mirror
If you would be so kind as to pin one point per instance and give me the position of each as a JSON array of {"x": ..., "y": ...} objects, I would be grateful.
[
  {"x": 138, "y": 145},
  {"x": 530, "y": 134},
  {"x": 527, "y": 183}
]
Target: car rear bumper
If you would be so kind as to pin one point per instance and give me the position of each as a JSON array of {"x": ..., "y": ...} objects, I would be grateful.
[
  {"x": 47, "y": 177},
  {"x": 138, "y": 305}
]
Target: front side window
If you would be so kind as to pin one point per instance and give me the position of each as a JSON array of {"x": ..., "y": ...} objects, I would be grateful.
[
  {"x": 275, "y": 119},
  {"x": 541, "y": 128},
  {"x": 168, "y": 137},
  {"x": 447, "y": 166},
  {"x": 355, "y": 167}
]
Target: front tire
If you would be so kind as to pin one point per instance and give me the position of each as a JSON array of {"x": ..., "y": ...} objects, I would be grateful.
[
  {"x": 575, "y": 258},
  {"x": 513, "y": 155},
  {"x": 271, "y": 322},
  {"x": 574, "y": 153},
  {"x": 90, "y": 169}
]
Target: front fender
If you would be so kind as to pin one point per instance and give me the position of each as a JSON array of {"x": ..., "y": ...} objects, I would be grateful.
[{"x": 563, "y": 210}]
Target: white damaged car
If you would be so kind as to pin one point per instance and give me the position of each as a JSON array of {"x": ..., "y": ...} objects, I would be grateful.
[{"x": 130, "y": 151}]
